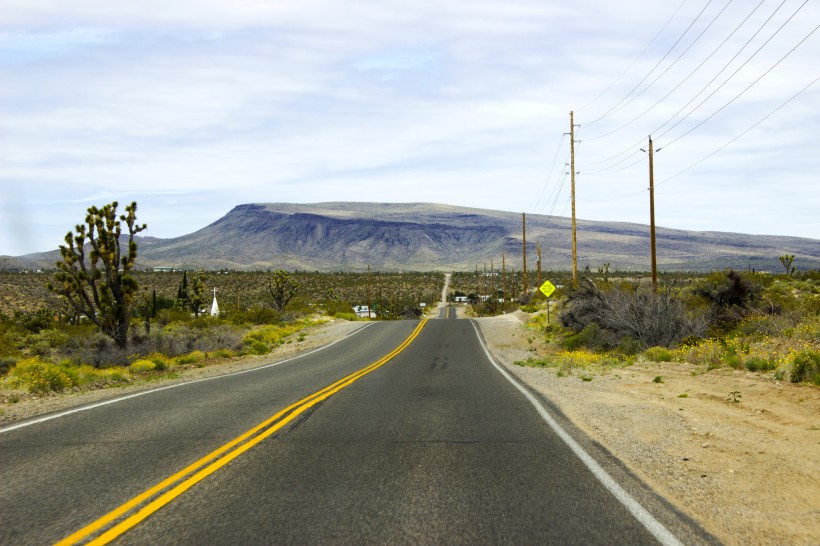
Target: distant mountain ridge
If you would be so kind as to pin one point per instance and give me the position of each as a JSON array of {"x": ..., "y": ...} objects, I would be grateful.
[{"x": 424, "y": 236}]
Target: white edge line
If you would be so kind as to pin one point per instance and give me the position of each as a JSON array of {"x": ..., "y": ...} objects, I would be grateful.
[
  {"x": 655, "y": 528},
  {"x": 143, "y": 393}
]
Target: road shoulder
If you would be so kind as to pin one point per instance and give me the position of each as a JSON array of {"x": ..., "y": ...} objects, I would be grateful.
[{"x": 748, "y": 472}]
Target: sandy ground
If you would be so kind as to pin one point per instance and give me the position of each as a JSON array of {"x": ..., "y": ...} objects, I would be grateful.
[{"x": 749, "y": 472}]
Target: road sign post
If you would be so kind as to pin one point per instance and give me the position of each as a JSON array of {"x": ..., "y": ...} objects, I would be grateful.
[{"x": 547, "y": 289}]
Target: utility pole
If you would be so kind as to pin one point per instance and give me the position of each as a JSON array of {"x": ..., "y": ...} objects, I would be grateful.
[
  {"x": 652, "y": 253},
  {"x": 504, "y": 276},
  {"x": 572, "y": 176},
  {"x": 492, "y": 283},
  {"x": 524, "y": 237},
  {"x": 368, "y": 291},
  {"x": 538, "y": 252}
]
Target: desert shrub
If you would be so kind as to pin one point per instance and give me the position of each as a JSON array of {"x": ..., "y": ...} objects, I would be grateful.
[
  {"x": 6, "y": 364},
  {"x": 223, "y": 353},
  {"x": 219, "y": 337},
  {"x": 335, "y": 308},
  {"x": 256, "y": 315},
  {"x": 806, "y": 367},
  {"x": 760, "y": 364},
  {"x": 256, "y": 347},
  {"x": 651, "y": 319},
  {"x": 764, "y": 325},
  {"x": 190, "y": 358},
  {"x": 731, "y": 297},
  {"x": 591, "y": 337},
  {"x": 658, "y": 354},
  {"x": 142, "y": 365},
  {"x": 346, "y": 316},
  {"x": 629, "y": 346},
  {"x": 95, "y": 349},
  {"x": 44, "y": 342},
  {"x": 39, "y": 376},
  {"x": 161, "y": 362}
]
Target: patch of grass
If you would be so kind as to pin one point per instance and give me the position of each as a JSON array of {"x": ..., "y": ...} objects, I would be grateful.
[
  {"x": 734, "y": 397},
  {"x": 658, "y": 379},
  {"x": 586, "y": 378},
  {"x": 537, "y": 363},
  {"x": 684, "y": 395},
  {"x": 658, "y": 354},
  {"x": 760, "y": 364}
]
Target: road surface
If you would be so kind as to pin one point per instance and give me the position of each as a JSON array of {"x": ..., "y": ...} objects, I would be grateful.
[{"x": 428, "y": 444}]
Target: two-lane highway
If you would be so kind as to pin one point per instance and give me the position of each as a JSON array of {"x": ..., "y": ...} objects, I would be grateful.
[{"x": 428, "y": 443}]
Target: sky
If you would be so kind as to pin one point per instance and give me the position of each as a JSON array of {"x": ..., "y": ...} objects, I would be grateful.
[{"x": 190, "y": 108}]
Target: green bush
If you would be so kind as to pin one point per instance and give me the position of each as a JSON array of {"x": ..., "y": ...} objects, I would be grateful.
[
  {"x": 760, "y": 364},
  {"x": 190, "y": 358},
  {"x": 256, "y": 347},
  {"x": 806, "y": 367},
  {"x": 38, "y": 376},
  {"x": 142, "y": 365},
  {"x": 658, "y": 354},
  {"x": 591, "y": 337}
]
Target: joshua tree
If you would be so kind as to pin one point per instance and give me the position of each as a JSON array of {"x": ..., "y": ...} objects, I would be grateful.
[
  {"x": 283, "y": 287},
  {"x": 787, "y": 260},
  {"x": 99, "y": 285}
]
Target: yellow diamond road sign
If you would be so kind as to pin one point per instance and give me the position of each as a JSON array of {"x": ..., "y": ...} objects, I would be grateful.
[{"x": 547, "y": 288}]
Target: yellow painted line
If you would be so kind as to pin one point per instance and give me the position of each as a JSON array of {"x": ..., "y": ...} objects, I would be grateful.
[{"x": 218, "y": 458}]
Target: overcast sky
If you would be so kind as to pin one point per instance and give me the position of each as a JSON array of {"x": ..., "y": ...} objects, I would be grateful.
[{"x": 193, "y": 107}]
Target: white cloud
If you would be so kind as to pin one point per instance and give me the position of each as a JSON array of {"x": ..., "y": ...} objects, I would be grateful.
[{"x": 206, "y": 105}]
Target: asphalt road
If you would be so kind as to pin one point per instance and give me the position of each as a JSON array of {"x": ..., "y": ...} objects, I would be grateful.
[{"x": 434, "y": 446}]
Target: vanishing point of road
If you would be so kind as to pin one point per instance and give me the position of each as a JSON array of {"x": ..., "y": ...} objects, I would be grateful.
[{"x": 405, "y": 432}]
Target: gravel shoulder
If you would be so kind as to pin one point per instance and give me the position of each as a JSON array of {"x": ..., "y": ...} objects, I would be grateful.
[{"x": 748, "y": 472}]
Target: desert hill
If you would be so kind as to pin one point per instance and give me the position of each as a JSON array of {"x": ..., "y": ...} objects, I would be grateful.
[{"x": 424, "y": 236}]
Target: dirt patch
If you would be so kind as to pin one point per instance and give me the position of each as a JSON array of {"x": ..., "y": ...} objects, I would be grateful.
[{"x": 748, "y": 471}]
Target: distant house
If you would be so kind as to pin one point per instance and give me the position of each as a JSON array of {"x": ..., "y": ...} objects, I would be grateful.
[
  {"x": 163, "y": 269},
  {"x": 461, "y": 299},
  {"x": 363, "y": 311}
]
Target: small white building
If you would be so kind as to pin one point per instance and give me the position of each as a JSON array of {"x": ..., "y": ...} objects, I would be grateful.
[{"x": 461, "y": 299}]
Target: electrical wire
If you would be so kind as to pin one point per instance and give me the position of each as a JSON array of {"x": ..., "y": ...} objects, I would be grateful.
[
  {"x": 654, "y": 67},
  {"x": 667, "y": 69},
  {"x": 745, "y": 45},
  {"x": 727, "y": 65},
  {"x": 645, "y": 49},
  {"x": 688, "y": 76},
  {"x": 716, "y": 112},
  {"x": 767, "y": 116},
  {"x": 552, "y": 169}
]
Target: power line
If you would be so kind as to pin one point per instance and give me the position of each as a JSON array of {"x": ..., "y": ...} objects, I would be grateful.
[
  {"x": 654, "y": 67},
  {"x": 745, "y": 45},
  {"x": 667, "y": 69},
  {"x": 716, "y": 112},
  {"x": 549, "y": 177},
  {"x": 688, "y": 76},
  {"x": 645, "y": 49},
  {"x": 726, "y": 66},
  {"x": 767, "y": 116}
]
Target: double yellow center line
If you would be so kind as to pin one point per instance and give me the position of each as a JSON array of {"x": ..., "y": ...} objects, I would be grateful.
[{"x": 126, "y": 516}]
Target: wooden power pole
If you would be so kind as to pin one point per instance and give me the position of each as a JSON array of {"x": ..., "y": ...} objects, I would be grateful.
[
  {"x": 524, "y": 237},
  {"x": 368, "y": 291},
  {"x": 572, "y": 177},
  {"x": 652, "y": 216},
  {"x": 538, "y": 253}
]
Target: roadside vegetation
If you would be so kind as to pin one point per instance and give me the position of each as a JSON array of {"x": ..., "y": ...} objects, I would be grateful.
[
  {"x": 759, "y": 323},
  {"x": 97, "y": 321}
]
